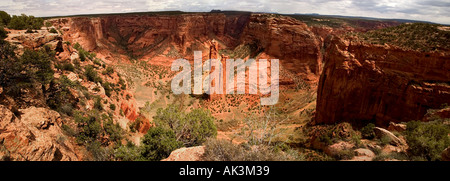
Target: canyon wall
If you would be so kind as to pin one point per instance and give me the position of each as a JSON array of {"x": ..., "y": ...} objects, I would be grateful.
[
  {"x": 359, "y": 81},
  {"x": 374, "y": 83},
  {"x": 148, "y": 36}
]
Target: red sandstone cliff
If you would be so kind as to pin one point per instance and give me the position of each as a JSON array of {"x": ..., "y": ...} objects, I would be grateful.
[
  {"x": 146, "y": 37},
  {"x": 287, "y": 39},
  {"x": 359, "y": 82},
  {"x": 362, "y": 82}
]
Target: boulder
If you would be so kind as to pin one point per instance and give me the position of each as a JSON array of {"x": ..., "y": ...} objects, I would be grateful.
[
  {"x": 37, "y": 136},
  {"x": 73, "y": 77},
  {"x": 380, "y": 132},
  {"x": 336, "y": 148},
  {"x": 41, "y": 118},
  {"x": 390, "y": 148},
  {"x": 74, "y": 56},
  {"x": 396, "y": 127},
  {"x": 360, "y": 158},
  {"x": 186, "y": 154},
  {"x": 6, "y": 117},
  {"x": 364, "y": 152}
]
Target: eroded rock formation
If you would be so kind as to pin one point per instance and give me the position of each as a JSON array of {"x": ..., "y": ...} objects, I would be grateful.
[
  {"x": 363, "y": 82},
  {"x": 36, "y": 136}
]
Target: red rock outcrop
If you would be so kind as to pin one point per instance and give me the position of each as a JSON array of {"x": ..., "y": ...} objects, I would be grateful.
[
  {"x": 129, "y": 110},
  {"x": 32, "y": 40},
  {"x": 362, "y": 82},
  {"x": 286, "y": 39},
  {"x": 36, "y": 136},
  {"x": 186, "y": 154}
]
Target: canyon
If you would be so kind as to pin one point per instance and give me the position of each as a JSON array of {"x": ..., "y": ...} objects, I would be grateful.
[
  {"x": 328, "y": 75},
  {"x": 154, "y": 37},
  {"x": 391, "y": 84}
]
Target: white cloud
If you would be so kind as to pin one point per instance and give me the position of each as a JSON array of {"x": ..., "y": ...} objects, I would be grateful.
[{"x": 428, "y": 10}]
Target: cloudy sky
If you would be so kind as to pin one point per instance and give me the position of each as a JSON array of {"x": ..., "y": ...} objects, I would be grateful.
[{"x": 429, "y": 10}]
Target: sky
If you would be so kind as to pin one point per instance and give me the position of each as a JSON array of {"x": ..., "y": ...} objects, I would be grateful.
[{"x": 437, "y": 11}]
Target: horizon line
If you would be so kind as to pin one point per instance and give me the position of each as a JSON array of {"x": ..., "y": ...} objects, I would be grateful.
[{"x": 256, "y": 12}]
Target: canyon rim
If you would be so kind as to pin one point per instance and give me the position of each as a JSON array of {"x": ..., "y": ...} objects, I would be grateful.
[{"x": 223, "y": 86}]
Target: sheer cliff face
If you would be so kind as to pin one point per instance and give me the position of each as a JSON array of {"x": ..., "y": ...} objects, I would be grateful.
[
  {"x": 287, "y": 39},
  {"x": 146, "y": 37},
  {"x": 378, "y": 83}
]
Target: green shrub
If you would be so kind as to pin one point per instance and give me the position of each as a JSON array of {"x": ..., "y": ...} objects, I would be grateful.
[
  {"x": 222, "y": 150},
  {"x": 112, "y": 107},
  {"x": 357, "y": 140},
  {"x": 427, "y": 140},
  {"x": 77, "y": 64},
  {"x": 97, "y": 62},
  {"x": 10, "y": 65},
  {"x": 367, "y": 131},
  {"x": 108, "y": 71},
  {"x": 29, "y": 31},
  {"x": 325, "y": 138},
  {"x": 345, "y": 155},
  {"x": 200, "y": 126},
  {"x": 3, "y": 33},
  {"x": 90, "y": 128},
  {"x": 122, "y": 84},
  {"x": 24, "y": 72},
  {"x": 83, "y": 54},
  {"x": 136, "y": 124},
  {"x": 66, "y": 109},
  {"x": 96, "y": 88},
  {"x": 158, "y": 143},
  {"x": 25, "y": 22},
  {"x": 68, "y": 130},
  {"x": 98, "y": 152},
  {"x": 68, "y": 67},
  {"x": 53, "y": 31},
  {"x": 48, "y": 24},
  {"x": 385, "y": 140},
  {"x": 91, "y": 74},
  {"x": 342, "y": 131},
  {"x": 60, "y": 97},
  {"x": 87, "y": 94},
  {"x": 108, "y": 89},
  {"x": 128, "y": 152},
  {"x": 77, "y": 46},
  {"x": 5, "y": 18},
  {"x": 391, "y": 156},
  {"x": 192, "y": 129},
  {"x": 416, "y": 36},
  {"x": 39, "y": 64},
  {"x": 114, "y": 131},
  {"x": 98, "y": 103}
]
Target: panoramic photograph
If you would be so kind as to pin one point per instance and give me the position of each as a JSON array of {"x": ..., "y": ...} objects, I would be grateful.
[{"x": 209, "y": 80}]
